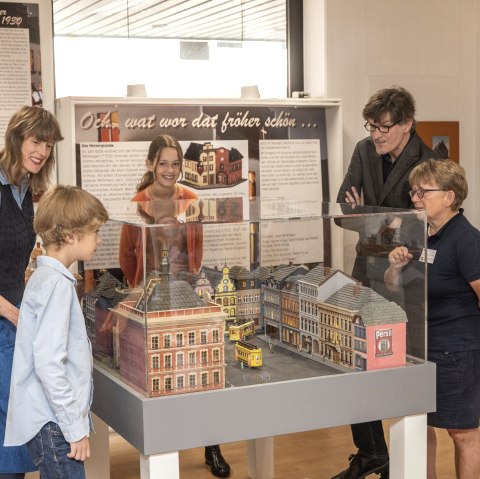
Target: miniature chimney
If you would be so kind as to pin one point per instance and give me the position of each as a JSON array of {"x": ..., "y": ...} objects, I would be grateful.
[
  {"x": 328, "y": 270},
  {"x": 357, "y": 289},
  {"x": 165, "y": 265}
]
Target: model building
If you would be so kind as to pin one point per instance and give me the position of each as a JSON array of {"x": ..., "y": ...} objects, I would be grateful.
[
  {"x": 339, "y": 321},
  {"x": 248, "y": 286},
  {"x": 226, "y": 295},
  {"x": 210, "y": 167},
  {"x": 171, "y": 341},
  {"x": 275, "y": 284}
]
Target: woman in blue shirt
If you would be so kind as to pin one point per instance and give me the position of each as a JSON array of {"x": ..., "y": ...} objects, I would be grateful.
[
  {"x": 26, "y": 162},
  {"x": 453, "y": 265}
]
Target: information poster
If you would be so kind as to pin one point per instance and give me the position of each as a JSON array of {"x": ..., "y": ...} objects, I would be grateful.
[
  {"x": 289, "y": 170},
  {"x": 296, "y": 241},
  {"x": 20, "y": 59},
  {"x": 125, "y": 161},
  {"x": 273, "y": 154}
]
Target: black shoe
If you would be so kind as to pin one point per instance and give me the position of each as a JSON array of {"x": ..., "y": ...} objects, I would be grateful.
[
  {"x": 361, "y": 466},
  {"x": 214, "y": 459}
]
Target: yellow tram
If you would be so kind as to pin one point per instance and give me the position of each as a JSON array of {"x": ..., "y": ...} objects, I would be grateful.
[
  {"x": 248, "y": 353},
  {"x": 241, "y": 330}
]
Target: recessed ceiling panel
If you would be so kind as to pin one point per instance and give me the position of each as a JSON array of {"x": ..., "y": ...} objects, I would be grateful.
[{"x": 229, "y": 20}]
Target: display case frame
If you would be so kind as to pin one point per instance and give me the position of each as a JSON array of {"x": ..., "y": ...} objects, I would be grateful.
[
  {"x": 159, "y": 426},
  {"x": 159, "y": 319}
]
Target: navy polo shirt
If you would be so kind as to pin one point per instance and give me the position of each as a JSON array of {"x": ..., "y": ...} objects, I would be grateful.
[{"x": 453, "y": 311}]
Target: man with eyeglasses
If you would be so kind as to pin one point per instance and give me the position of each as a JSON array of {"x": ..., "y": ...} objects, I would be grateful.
[{"x": 378, "y": 176}]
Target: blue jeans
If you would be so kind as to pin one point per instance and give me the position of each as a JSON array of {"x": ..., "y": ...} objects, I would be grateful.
[
  {"x": 49, "y": 450},
  {"x": 14, "y": 459}
]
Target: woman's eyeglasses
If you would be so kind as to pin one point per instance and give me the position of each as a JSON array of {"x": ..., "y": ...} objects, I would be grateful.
[{"x": 420, "y": 192}]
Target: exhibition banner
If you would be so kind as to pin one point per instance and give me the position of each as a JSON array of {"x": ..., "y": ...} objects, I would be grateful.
[{"x": 272, "y": 155}]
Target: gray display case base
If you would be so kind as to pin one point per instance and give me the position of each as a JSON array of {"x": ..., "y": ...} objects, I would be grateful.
[{"x": 159, "y": 427}]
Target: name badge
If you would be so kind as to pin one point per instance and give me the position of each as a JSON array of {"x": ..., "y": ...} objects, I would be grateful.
[{"x": 430, "y": 256}]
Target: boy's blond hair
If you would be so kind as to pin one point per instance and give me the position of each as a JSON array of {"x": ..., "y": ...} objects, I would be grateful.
[{"x": 67, "y": 210}]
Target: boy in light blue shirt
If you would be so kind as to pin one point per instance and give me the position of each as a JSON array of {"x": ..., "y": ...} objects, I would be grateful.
[{"x": 51, "y": 384}]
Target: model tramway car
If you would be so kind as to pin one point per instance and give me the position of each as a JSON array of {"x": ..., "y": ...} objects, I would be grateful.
[
  {"x": 241, "y": 330},
  {"x": 249, "y": 354}
]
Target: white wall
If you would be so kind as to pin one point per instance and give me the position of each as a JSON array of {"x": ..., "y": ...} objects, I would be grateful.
[{"x": 430, "y": 47}]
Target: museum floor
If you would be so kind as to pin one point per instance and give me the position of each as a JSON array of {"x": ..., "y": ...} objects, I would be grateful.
[{"x": 307, "y": 455}]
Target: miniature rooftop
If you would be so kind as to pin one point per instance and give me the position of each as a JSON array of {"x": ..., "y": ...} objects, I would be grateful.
[
  {"x": 372, "y": 307},
  {"x": 165, "y": 296}
]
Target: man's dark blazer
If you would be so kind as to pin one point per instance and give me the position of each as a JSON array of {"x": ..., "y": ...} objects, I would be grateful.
[{"x": 365, "y": 172}]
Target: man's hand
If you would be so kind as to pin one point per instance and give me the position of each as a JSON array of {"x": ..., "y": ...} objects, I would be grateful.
[
  {"x": 79, "y": 450},
  {"x": 353, "y": 197}
]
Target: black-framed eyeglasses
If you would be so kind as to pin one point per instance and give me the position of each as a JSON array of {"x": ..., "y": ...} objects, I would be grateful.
[
  {"x": 420, "y": 192},
  {"x": 370, "y": 127}
]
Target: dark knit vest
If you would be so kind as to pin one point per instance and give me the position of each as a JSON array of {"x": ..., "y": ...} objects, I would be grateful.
[{"x": 17, "y": 239}]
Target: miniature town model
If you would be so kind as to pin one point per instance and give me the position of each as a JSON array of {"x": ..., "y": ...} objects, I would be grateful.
[{"x": 168, "y": 336}]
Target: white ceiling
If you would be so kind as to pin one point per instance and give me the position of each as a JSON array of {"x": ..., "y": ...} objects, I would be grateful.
[{"x": 227, "y": 20}]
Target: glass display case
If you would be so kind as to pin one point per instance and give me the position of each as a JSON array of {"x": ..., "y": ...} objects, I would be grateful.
[{"x": 199, "y": 295}]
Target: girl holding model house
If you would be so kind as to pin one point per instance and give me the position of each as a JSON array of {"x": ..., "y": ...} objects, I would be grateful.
[{"x": 160, "y": 199}]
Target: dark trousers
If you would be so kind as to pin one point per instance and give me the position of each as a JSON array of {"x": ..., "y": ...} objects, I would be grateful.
[{"x": 369, "y": 438}]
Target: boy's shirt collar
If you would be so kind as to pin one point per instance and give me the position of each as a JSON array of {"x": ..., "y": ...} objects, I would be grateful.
[{"x": 53, "y": 263}]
